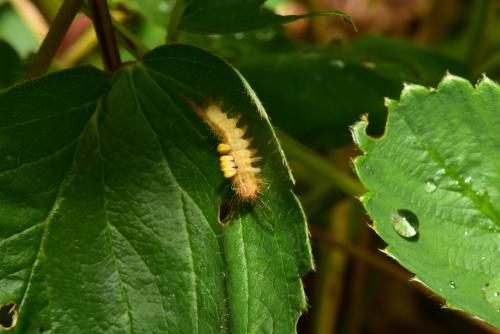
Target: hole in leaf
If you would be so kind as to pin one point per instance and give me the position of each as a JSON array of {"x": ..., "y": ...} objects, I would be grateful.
[
  {"x": 8, "y": 315},
  {"x": 224, "y": 213}
]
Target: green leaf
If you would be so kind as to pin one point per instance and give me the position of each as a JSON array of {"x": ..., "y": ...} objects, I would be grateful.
[
  {"x": 404, "y": 60},
  {"x": 110, "y": 189},
  {"x": 315, "y": 92},
  {"x": 436, "y": 170},
  {"x": 226, "y": 16},
  {"x": 11, "y": 68}
]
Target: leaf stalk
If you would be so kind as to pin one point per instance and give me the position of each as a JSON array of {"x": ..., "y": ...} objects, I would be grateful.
[
  {"x": 175, "y": 20},
  {"x": 105, "y": 34},
  {"x": 321, "y": 166},
  {"x": 54, "y": 37}
]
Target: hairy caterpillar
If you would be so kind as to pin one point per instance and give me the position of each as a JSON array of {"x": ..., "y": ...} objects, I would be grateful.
[{"x": 237, "y": 160}]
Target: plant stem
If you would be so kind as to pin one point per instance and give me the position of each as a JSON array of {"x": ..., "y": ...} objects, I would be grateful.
[
  {"x": 124, "y": 36},
  {"x": 130, "y": 42},
  {"x": 105, "y": 34},
  {"x": 476, "y": 30},
  {"x": 360, "y": 254},
  {"x": 54, "y": 37},
  {"x": 320, "y": 165},
  {"x": 175, "y": 20}
]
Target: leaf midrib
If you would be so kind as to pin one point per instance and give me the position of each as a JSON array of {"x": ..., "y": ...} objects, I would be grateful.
[{"x": 485, "y": 207}]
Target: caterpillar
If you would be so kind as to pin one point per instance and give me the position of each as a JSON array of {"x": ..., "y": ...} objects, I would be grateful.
[{"x": 237, "y": 160}]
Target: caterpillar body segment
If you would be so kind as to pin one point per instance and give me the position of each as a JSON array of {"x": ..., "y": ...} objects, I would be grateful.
[{"x": 237, "y": 160}]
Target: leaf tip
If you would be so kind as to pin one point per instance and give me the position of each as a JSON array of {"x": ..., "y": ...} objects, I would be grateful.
[
  {"x": 359, "y": 135},
  {"x": 486, "y": 83},
  {"x": 419, "y": 281},
  {"x": 386, "y": 251},
  {"x": 388, "y": 102},
  {"x": 452, "y": 79},
  {"x": 410, "y": 89}
]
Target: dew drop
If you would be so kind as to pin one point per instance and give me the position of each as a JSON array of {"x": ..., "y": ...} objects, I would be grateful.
[
  {"x": 430, "y": 186},
  {"x": 440, "y": 172},
  {"x": 337, "y": 63},
  {"x": 468, "y": 180},
  {"x": 405, "y": 223},
  {"x": 453, "y": 285}
]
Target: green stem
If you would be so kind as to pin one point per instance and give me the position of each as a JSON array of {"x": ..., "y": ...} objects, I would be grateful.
[
  {"x": 54, "y": 37},
  {"x": 105, "y": 34},
  {"x": 175, "y": 20},
  {"x": 476, "y": 30},
  {"x": 321, "y": 166},
  {"x": 129, "y": 41},
  {"x": 359, "y": 253}
]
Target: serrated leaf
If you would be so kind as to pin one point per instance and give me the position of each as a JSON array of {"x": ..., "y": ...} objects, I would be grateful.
[
  {"x": 226, "y": 16},
  {"x": 109, "y": 197},
  {"x": 437, "y": 170}
]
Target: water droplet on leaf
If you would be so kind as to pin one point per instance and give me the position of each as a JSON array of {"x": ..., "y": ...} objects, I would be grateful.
[
  {"x": 405, "y": 223},
  {"x": 440, "y": 172},
  {"x": 430, "y": 186},
  {"x": 453, "y": 285}
]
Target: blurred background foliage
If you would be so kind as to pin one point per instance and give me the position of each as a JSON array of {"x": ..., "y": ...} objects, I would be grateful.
[{"x": 315, "y": 77}]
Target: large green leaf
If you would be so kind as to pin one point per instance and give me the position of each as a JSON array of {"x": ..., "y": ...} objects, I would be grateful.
[
  {"x": 403, "y": 59},
  {"x": 225, "y": 16},
  {"x": 312, "y": 92},
  {"x": 433, "y": 189},
  {"x": 110, "y": 189}
]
